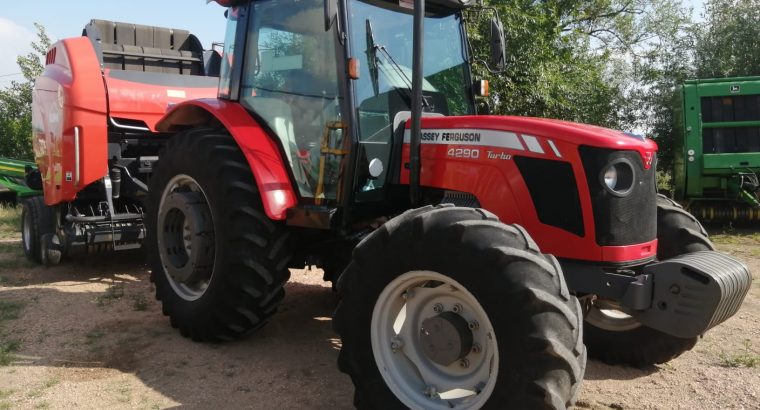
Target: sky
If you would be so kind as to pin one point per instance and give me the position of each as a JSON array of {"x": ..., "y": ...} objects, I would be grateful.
[{"x": 64, "y": 19}]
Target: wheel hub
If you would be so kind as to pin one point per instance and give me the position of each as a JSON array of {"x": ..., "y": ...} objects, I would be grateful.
[
  {"x": 446, "y": 338},
  {"x": 186, "y": 237}
]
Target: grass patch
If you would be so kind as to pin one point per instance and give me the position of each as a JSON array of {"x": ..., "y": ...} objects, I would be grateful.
[
  {"x": 747, "y": 358},
  {"x": 139, "y": 303},
  {"x": 113, "y": 293},
  {"x": 38, "y": 391},
  {"x": 15, "y": 263},
  {"x": 93, "y": 336},
  {"x": 10, "y": 221},
  {"x": 6, "y": 351},
  {"x": 10, "y": 310},
  {"x": 92, "y": 340},
  {"x": 4, "y": 394}
]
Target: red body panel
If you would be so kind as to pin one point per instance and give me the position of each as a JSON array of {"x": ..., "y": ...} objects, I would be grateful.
[
  {"x": 497, "y": 183},
  {"x": 147, "y": 102},
  {"x": 263, "y": 154},
  {"x": 69, "y": 94}
]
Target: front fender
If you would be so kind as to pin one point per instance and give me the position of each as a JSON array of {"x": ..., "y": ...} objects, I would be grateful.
[{"x": 262, "y": 153}]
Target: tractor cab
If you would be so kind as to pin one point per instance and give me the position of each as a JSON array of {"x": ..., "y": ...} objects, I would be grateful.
[{"x": 324, "y": 81}]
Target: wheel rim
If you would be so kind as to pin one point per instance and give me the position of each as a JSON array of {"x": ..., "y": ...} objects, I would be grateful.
[
  {"x": 402, "y": 320},
  {"x": 175, "y": 241},
  {"x": 608, "y": 316},
  {"x": 26, "y": 231}
]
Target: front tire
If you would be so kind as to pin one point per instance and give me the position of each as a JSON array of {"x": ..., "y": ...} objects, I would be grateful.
[
  {"x": 616, "y": 338},
  {"x": 218, "y": 263},
  {"x": 442, "y": 268}
]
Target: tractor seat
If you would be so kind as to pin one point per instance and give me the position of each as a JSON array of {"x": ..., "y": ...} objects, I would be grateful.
[{"x": 134, "y": 47}]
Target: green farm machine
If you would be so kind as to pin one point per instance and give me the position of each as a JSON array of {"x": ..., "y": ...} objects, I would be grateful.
[
  {"x": 718, "y": 159},
  {"x": 13, "y": 185}
]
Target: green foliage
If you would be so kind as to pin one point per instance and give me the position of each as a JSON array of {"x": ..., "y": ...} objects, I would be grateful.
[
  {"x": 578, "y": 60},
  {"x": 16, "y": 102},
  {"x": 746, "y": 358},
  {"x": 727, "y": 45}
]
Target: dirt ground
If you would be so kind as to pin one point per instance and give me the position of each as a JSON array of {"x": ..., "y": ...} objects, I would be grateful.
[{"x": 89, "y": 334}]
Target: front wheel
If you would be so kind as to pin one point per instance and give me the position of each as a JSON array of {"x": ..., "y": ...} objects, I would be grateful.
[
  {"x": 447, "y": 308},
  {"x": 617, "y": 338},
  {"x": 218, "y": 263}
]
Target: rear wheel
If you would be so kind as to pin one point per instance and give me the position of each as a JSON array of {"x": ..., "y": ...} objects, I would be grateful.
[
  {"x": 37, "y": 227},
  {"x": 617, "y": 338},
  {"x": 465, "y": 314},
  {"x": 218, "y": 263}
]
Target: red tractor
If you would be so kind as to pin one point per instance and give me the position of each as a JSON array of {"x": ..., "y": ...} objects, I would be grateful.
[{"x": 332, "y": 138}]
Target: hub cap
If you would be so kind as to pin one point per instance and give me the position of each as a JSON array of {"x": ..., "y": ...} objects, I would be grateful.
[
  {"x": 186, "y": 237},
  {"x": 433, "y": 343}
]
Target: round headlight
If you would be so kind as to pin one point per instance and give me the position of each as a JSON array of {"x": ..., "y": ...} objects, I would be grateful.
[
  {"x": 618, "y": 177},
  {"x": 610, "y": 177}
]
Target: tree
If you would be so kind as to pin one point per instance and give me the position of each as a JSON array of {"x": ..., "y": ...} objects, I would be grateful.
[
  {"x": 577, "y": 59},
  {"x": 728, "y": 45},
  {"x": 16, "y": 102}
]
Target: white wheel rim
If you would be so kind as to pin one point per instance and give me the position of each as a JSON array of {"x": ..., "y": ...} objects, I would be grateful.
[
  {"x": 185, "y": 291},
  {"x": 416, "y": 380},
  {"x": 607, "y": 315}
]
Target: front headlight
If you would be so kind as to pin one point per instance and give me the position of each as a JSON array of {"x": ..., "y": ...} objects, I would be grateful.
[{"x": 618, "y": 177}]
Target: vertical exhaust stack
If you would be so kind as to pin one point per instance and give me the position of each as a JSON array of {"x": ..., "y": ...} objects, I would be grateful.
[{"x": 414, "y": 143}]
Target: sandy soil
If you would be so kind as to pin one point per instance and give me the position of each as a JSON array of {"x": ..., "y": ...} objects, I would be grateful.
[{"x": 90, "y": 335}]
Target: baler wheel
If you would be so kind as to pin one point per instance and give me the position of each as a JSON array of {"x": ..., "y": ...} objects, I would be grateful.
[
  {"x": 448, "y": 308},
  {"x": 218, "y": 263},
  {"x": 37, "y": 223},
  {"x": 616, "y": 338}
]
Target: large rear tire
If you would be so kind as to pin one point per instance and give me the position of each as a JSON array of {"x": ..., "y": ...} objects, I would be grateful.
[
  {"x": 616, "y": 338},
  {"x": 448, "y": 267},
  {"x": 37, "y": 225},
  {"x": 218, "y": 263}
]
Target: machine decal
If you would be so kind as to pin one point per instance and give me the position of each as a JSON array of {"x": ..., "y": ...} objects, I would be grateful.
[
  {"x": 532, "y": 143},
  {"x": 554, "y": 148},
  {"x": 484, "y": 138}
]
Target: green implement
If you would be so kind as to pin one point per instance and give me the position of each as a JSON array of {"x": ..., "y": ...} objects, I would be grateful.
[
  {"x": 717, "y": 158},
  {"x": 12, "y": 180}
]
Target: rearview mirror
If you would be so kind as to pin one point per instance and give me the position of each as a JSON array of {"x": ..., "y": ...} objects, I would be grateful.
[{"x": 498, "y": 45}]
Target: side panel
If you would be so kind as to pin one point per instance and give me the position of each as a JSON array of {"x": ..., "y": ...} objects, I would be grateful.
[
  {"x": 145, "y": 97},
  {"x": 69, "y": 120},
  {"x": 263, "y": 154}
]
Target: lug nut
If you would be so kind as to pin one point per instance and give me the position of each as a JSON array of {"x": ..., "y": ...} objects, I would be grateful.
[
  {"x": 474, "y": 325},
  {"x": 431, "y": 391},
  {"x": 476, "y": 348},
  {"x": 457, "y": 308},
  {"x": 464, "y": 363},
  {"x": 438, "y": 308},
  {"x": 397, "y": 344},
  {"x": 674, "y": 289}
]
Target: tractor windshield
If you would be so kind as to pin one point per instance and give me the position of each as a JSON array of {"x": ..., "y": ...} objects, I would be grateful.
[{"x": 382, "y": 41}]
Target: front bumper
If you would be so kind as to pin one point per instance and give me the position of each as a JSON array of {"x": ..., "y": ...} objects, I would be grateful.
[
  {"x": 684, "y": 296},
  {"x": 695, "y": 292}
]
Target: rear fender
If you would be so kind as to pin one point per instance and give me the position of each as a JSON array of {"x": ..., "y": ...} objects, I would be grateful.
[{"x": 261, "y": 152}]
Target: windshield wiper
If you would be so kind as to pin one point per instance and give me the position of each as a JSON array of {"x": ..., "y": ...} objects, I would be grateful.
[
  {"x": 372, "y": 58},
  {"x": 372, "y": 49}
]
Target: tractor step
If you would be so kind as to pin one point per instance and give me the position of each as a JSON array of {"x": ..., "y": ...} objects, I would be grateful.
[{"x": 695, "y": 292}]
